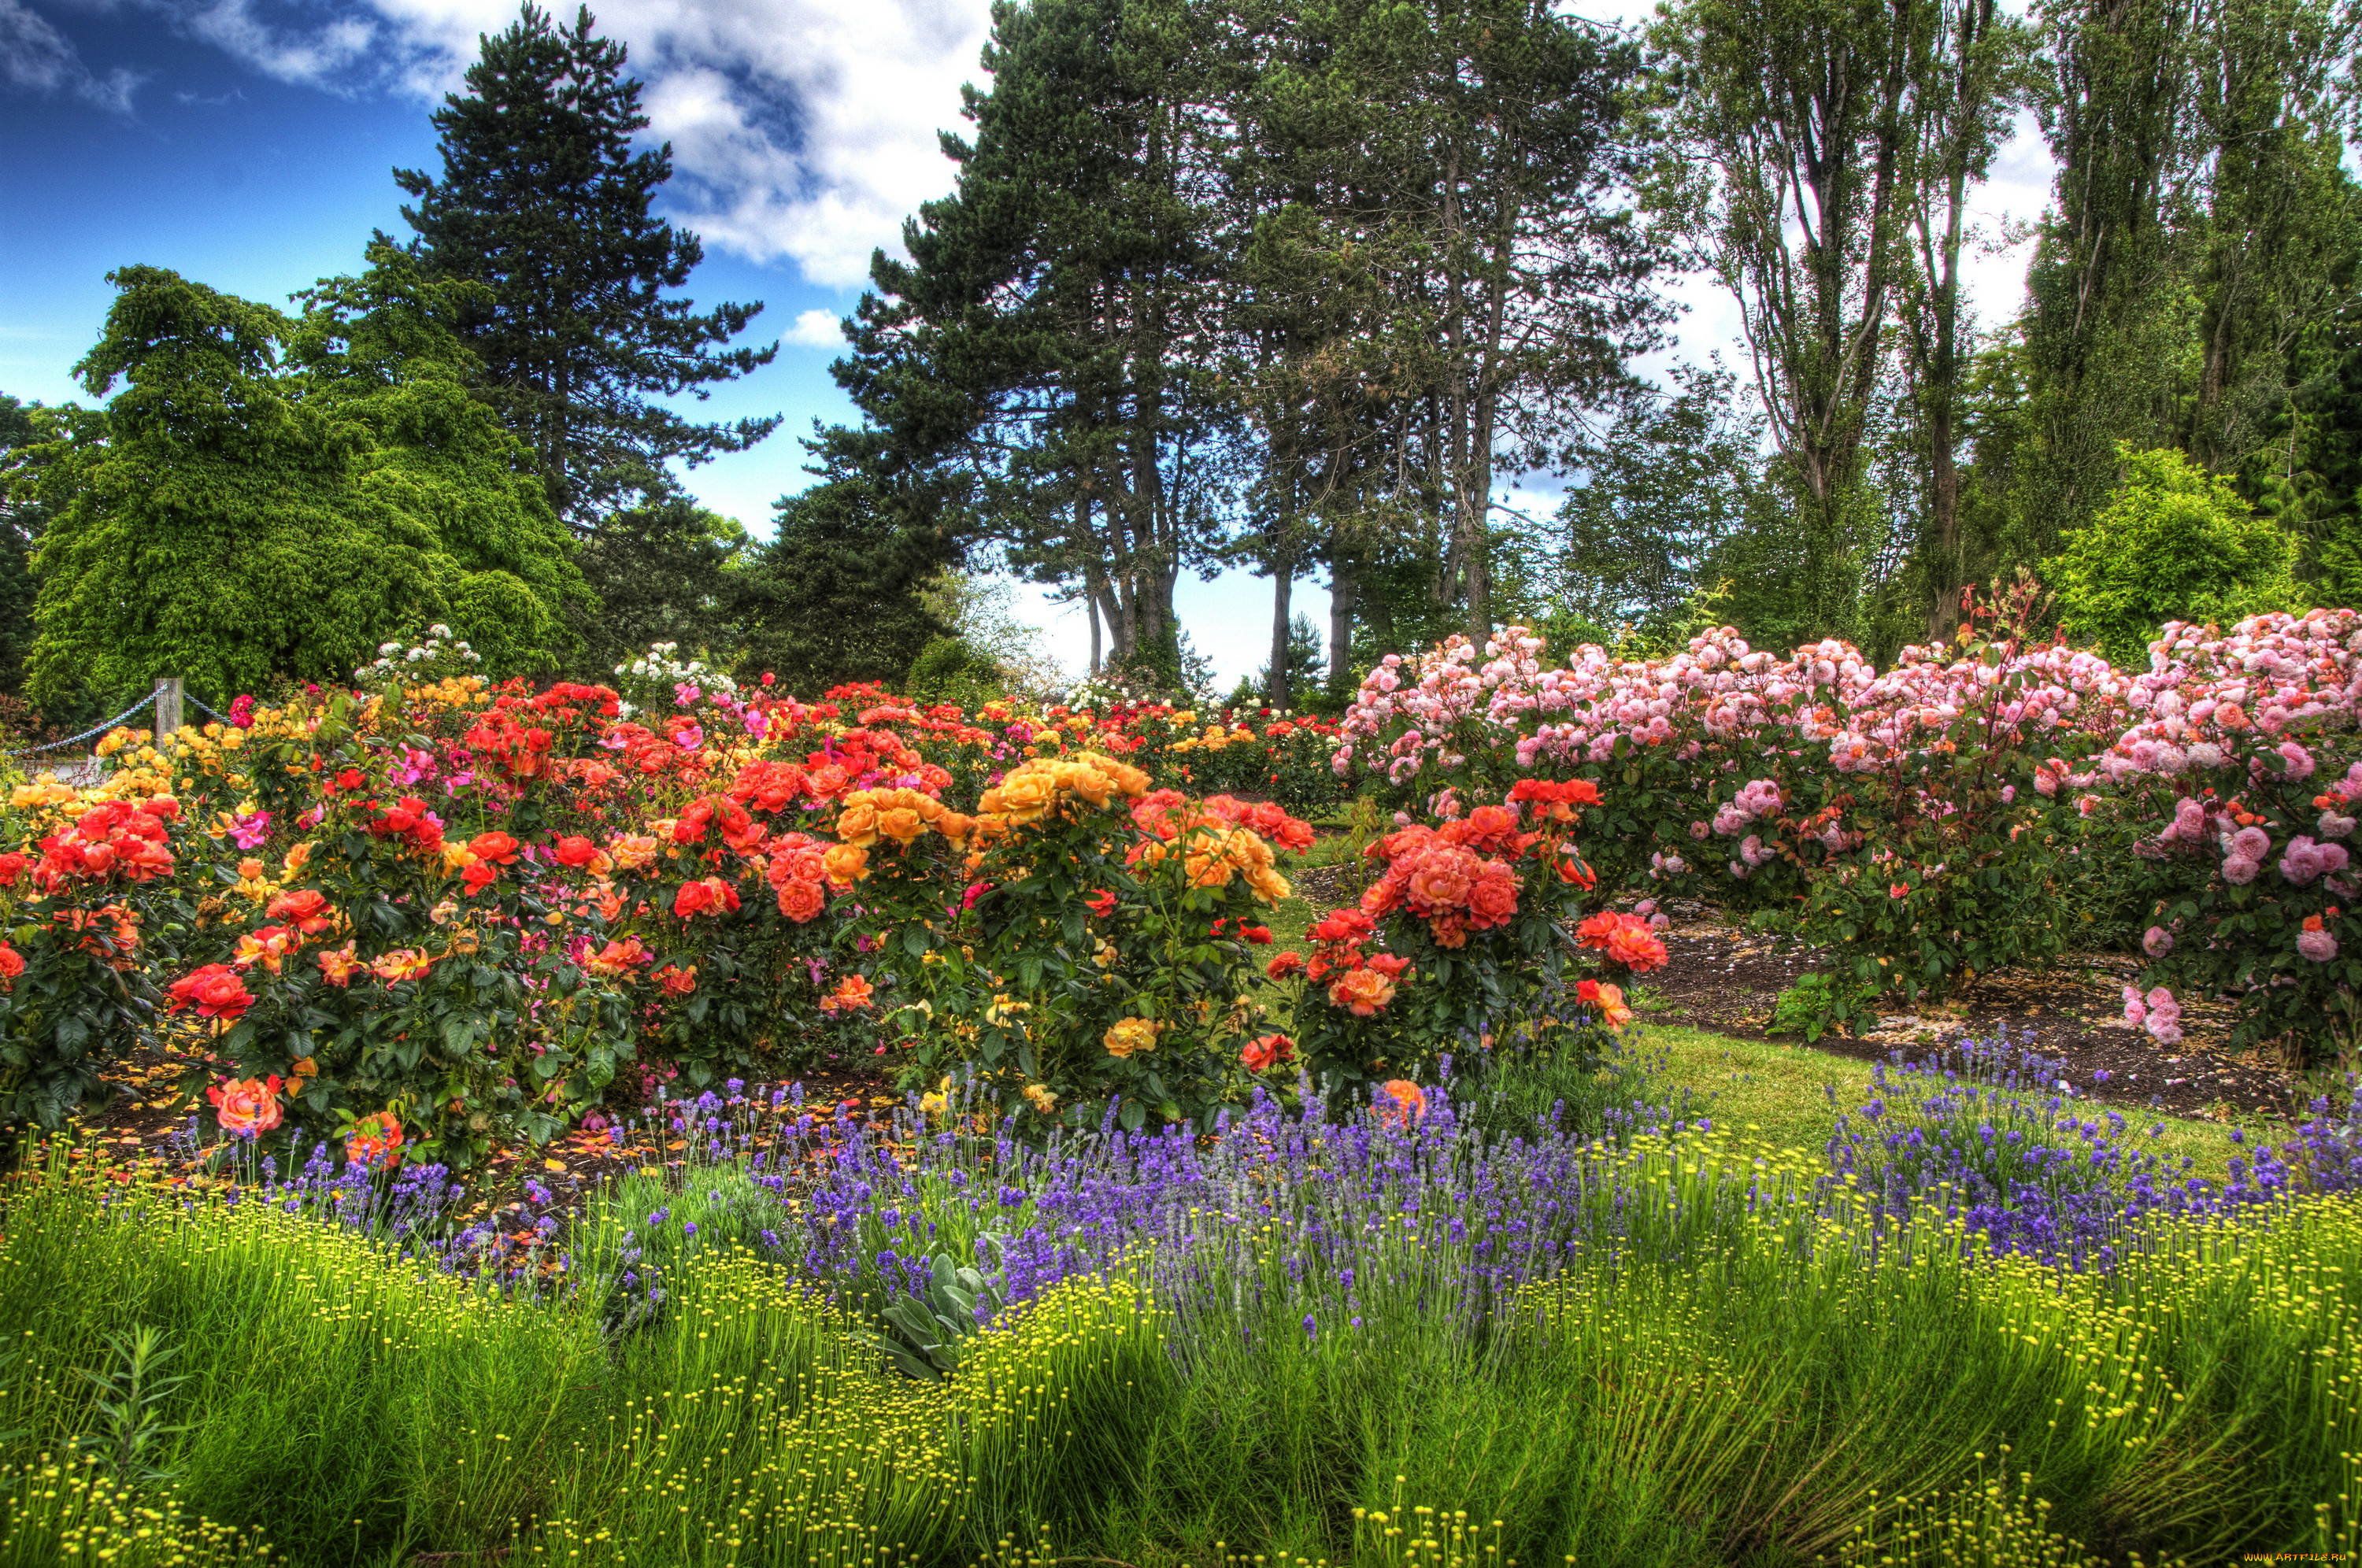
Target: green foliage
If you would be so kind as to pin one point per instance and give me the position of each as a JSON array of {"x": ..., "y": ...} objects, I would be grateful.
[
  {"x": 1304, "y": 664},
  {"x": 270, "y": 497},
  {"x": 1817, "y": 1003},
  {"x": 21, "y": 518},
  {"x": 666, "y": 572},
  {"x": 134, "y": 1396},
  {"x": 838, "y": 595},
  {"x": 922, "y": 1333},
  {"x": 543, "y": 203},
  {"x": 952, "y": 670},
  {"x": 2174, "y": 543}
]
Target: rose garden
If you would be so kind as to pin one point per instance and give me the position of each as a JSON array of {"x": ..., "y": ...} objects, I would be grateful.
[{"x": 1188, "y": 1222}]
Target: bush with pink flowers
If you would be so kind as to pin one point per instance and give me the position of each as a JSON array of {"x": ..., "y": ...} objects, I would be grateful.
[
  {"x": 2238, "y": 783},
  {"x": 1912, "y": 819}
]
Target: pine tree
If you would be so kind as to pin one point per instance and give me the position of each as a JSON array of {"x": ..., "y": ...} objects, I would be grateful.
[
  {"x": 835, "y": 596},
  {"x": 542, "y": 199}
]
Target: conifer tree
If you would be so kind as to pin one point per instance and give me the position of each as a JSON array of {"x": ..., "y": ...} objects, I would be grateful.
[{"x": 543, "y": 199}]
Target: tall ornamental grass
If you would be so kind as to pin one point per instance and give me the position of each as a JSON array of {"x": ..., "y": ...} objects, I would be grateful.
[{"x": 1386, "y": 1345}]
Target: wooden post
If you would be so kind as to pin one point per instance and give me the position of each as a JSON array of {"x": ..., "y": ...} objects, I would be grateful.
[{"x": 167, "y": 709}]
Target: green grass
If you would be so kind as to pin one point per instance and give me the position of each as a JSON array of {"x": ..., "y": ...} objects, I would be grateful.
[
  {"x": 1781, "y": 1091},
  {"x": 1703, "y": 1391}
]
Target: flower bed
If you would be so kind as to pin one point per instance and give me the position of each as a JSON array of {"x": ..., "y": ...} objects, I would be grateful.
[
  {"x": 1932, "y": 821},
  {"x": 1305, "y": 1336}
]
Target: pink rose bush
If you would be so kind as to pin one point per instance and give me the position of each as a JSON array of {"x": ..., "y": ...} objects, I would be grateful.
[
  {"x": 2236, "y": 778},
  {"x": 1917, "y": 819}
]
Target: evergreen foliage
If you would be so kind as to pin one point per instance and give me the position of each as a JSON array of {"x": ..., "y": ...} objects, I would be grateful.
[
  {"x": 835, "y": 596},
  {"x": 542, "y": 199},
  {"x": 269, "y": 496}
]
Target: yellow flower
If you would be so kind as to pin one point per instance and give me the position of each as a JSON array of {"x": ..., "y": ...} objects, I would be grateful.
[
  {"x": 1043, "y": 1101},
  {"x": 1130, "y": 1036}
]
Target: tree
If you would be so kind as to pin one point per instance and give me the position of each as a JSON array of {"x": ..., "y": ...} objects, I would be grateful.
[
  {"x": 663, "y": 572},
  {"x": 2106, "y": 315},
  {"x": 1034, "y": 354},
  {"x": 1659, "y": 493},
  {"x": 1301, "y": 669},
  {"x": 1971, "y": 70},
  {"x": 2174, "y": 543},
  {"x": 542, "y": 200},
  {"x": 1449, "y": 265},
  {"x": 21, "y": 516},
  {"x": 269, "y": 497},
  {"x": 838, "y": 595},
  {"x": 1794, "y": 142}
]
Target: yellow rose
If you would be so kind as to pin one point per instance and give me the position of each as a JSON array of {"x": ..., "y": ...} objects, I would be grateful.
[
  {"x": 901, "y": 824},
  {"x": 1129, "y": 1036},
  {"x": 1024, "y": 795},
  {"x": 858, "y": 823}
]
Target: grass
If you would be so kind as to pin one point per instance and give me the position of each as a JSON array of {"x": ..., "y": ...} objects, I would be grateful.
[
  {"x": 1781, "y": 1091},
  {"x": 1704, "y": 1390}
]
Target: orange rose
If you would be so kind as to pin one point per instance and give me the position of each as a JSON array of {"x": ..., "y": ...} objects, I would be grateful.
[
  {"x": 633, "y": 852},
  {"x": 402, "y": 964},
  {"x": 1401, "y": 1102},
  {"x": 247, "y": 1106},
  {"x": 1608, "y": 999},
  {"x": 902, "y": 825},
  {"x": 846, "y": 863},
  {"x": 853, "y": 994},
  {"x": 801, "y": 901},
  {"x": 497, "y": 847},
  {"x": 339, "y": 965},
  {"x": 1363, "y": 991},
  {"x": 1439, "y": 879},
  {"x": 1264, "y": 1050},
  {"x": 858, "y": 823},
  {"x": 1637, "y": 948},
  {"x": 373, "y": 1138},
  {"x": 305, "y": 909}
]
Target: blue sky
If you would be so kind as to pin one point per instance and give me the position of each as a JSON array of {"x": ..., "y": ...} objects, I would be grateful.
[{"x": 248, "y": 145}]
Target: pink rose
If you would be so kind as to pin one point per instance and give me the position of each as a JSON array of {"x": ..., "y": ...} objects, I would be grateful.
[{"x": 2156, "y": 941}]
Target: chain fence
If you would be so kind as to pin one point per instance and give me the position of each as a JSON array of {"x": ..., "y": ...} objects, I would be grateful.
[{"x": 91, "y": 733}]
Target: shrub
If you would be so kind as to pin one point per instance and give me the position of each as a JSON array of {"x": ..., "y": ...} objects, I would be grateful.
[{"x": 2174, "y": 543}]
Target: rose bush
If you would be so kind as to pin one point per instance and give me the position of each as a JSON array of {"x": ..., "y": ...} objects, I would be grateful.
[{"x": 1912, "y": 819}]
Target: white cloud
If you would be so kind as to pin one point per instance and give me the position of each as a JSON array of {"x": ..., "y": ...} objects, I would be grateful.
[
  {"x": 803, "y": 130},
  {"x": 817, "y": 329},
  {"x": 36, "y": 58}
]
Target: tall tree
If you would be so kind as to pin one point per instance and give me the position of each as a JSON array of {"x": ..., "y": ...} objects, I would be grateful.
[
  {"x": 1970, "y": 69},
  {"x": 668, "y": 573},
  {"x": 542, "y": 199},
  {"x": 2106, "y": 315},
  {"x": 1657, "y": 494},
  {"x": 21, "y": 516},
  {"x": 838, "y": 594},
  {"x": 268, "y": 496},
  {"x": 1043, "y": 341},
  {"x": 1793, "y": 147}
]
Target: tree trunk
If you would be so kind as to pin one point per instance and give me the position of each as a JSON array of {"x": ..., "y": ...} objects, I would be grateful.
[
  {"x": 1279, "y": 690},
  {"x": 1341, "y": 628}
]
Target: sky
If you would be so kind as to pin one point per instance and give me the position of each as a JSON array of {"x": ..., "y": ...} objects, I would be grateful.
[{"x": 249, "y": 144}]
